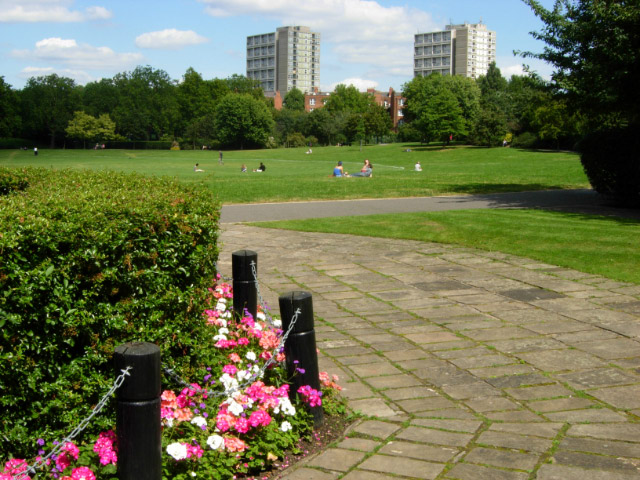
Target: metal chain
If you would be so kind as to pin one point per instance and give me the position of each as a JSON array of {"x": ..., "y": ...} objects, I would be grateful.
[
  {"x": 81, "y": 426},
  {"x": 260, "y": 299},
  {"x": 171, "y": 373}
]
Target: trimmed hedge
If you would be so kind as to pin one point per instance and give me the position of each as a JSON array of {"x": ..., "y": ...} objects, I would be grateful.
[
  {"x": 611, "y": 160},
  {"x": 89, "y": 261},
  {"x": 11, "y": 181}
]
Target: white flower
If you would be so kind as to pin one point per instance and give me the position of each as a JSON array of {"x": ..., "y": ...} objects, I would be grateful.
[
  {"x": 168, "y": 422},
  {"x": 257, "y": 326},
  {"x": 222, "y": 321},
  {"x": 177, "y": 450},
  {"x": 226, "y": 314},
  {"x": 251, "y": 356},
  {"x": 219, "y": 337},
  {"x": 229, "y": 382},
  {"x": 243, "y": 375},
  {"x": 235, "y": 408},
  {"x": 223, "y": 331},
  {"x": 193, "y": 474},
  {"x": 221, "y": 306},
  {"x": 199, "y": 421},
  {"x": 286, "y": 426},
  {"x": 215, "y": 442},
  {"x": 277, "y": 323},
  {"x": 261, "y": 316},
  {"x": 286, "y": 406}
]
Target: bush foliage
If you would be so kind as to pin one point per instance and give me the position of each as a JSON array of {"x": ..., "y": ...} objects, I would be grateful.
[
  {"x": 611, "y": 160},
  {"x": 89, "y": 261}
]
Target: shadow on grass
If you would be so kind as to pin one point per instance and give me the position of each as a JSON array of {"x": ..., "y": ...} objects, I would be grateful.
[{"x": 578, "y": 201}]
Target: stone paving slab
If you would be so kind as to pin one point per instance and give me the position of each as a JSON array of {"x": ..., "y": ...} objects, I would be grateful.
[{"x": 467, "y": 365}]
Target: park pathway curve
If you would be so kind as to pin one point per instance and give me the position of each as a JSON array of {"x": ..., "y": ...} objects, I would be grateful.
[{"x": 468, "y": 364}]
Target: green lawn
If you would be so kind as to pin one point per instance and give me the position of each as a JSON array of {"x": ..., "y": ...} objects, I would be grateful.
[
  {"x": 291, "y": 175},
  {"x": 607, "y": 246}
]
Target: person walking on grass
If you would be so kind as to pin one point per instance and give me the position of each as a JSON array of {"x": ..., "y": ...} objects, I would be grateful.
[{"x": 220, "y": 162}]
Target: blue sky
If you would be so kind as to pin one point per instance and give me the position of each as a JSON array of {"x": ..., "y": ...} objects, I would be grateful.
[{"x": 365, "y": 43}]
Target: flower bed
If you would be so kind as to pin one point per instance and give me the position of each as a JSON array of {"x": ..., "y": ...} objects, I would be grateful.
[{"x": 237, "y": 420}]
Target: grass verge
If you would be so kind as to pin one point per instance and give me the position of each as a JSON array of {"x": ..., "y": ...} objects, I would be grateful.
[
  {"x": 606, "y": 246},
  {"x": 293, "y": 176}
]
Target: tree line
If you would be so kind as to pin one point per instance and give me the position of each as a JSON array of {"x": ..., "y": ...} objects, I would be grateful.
[{"x": 147, "y": 105}]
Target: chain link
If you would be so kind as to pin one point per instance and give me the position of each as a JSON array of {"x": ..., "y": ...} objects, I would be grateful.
[{"x": 81, "y": 426}]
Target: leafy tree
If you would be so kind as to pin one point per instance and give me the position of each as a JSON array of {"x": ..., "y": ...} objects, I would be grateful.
[
  {"x": 349, "y": 99},
  {"x": 148, "y": 107},
  {"x": 100, "y": 97},
  {"x": 594, "y": 46},
  {"x": 294, "y": 100},
  {"x": 493, "y": 81},
  {"x": 467, "y": 94},
  {"x": 10, "y": 120},
  {"x": 433, "y": 109},
  {"x": 491, "y": 126},
  {"x": 241, "y": 84},
  {"x": 323, "y": 125},
  {"x": 377, "y": 121},
  {"x": 48, "y": 104},
  {"x": 288, "y": 122},
  {"x": 85, "y": 127},
  {"x": 242, "y": 120}
]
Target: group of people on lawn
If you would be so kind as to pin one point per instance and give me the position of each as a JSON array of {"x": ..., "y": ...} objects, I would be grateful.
[{"x": 365, "y": 171}]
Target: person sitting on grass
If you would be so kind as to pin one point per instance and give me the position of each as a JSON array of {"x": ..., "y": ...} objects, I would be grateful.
[
  {"x": 366, "y": 171},
  {"x": 261, "y": 168},
  {"x": 243, "y": 168},
  {"x": 197, "y": 168},
  {"x": 338, "y": 171}
]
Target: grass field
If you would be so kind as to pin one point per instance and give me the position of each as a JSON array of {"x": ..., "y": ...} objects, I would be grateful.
[
  {"x": 606, "y": 246},
  {"x": 291, "y": 175}
]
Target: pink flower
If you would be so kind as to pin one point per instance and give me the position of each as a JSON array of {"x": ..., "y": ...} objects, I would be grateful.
[
  {"x": 230, "y": 369},
  {"x": 194, "y": 451},
  {"x": 310, "y": 396},
  {"x": 269, "y": 340},
  {"x": 13, "y": 468},
  {"x": 242, "y": 425},
  {"x": 82, "y": 473},
  {"x": 259, "y": 418},
  {"x": 105, "y": 449},
  {"x": 243, "y": 341},
  {"x": 235, "y": 358}
]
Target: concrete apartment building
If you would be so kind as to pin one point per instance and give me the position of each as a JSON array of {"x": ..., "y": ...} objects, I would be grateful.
[
  {"x": 465, "y": 49},
  {"x": 286, "y": 58}
]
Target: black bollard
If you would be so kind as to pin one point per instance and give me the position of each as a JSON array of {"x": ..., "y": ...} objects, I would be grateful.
[
  {"x": 300, "y": 346},
  {"x": 245, "y": 292},
  {"x": 138, "y": 412}
]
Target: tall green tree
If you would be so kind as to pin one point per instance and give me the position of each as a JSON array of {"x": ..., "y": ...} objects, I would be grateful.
[
  {"x": 100, "y": 97},
  {"x": 10, "y": 120},
  {"x": 594, "y": 47},
  {"x": 87, "y": 128},
  {"x": 433, "y": 109},
  {"x": 148, "y": 107},
  {"x": 294, "y": 100},
  {"x": 243, "y": 121},
  {"x": 349, "y": 99},
  {"x": 48, "y": 104}
]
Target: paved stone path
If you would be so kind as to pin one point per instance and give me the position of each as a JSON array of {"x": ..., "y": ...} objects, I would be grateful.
[{"x": 469, "y": 365}]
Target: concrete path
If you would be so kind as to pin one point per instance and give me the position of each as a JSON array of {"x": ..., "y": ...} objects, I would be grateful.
[
  {"x": 582, "y": 201},
  {"x": 469, "y": 365}
]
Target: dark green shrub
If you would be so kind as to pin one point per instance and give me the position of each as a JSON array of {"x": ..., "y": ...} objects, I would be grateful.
[
  {"x": 89, "y": 261},
  {"x": 611, "y": 160},
  {"x": 525, "y": 140},
  {"x": 12, "y": 143},
  {"x": 12, "y": 180}
]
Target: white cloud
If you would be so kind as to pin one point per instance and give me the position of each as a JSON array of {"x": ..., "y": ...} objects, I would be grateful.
[
  {"x": 357, "y": 31},
  {"x": 69, "y": 53},
  {"x": 56, "y": 11},
  {"x": 361, "y": 84},
  {"x": 170, "y": 38}
]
